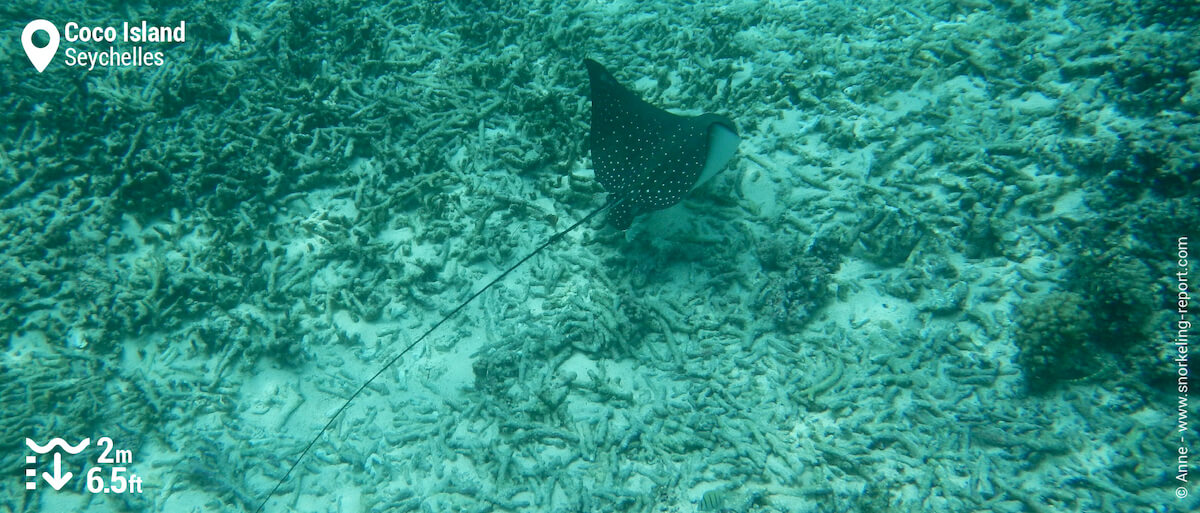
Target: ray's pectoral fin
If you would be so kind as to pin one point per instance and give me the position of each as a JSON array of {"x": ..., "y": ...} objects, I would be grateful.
[
  {"x": 723, "y": 141},
  {"x": 646, "y": 156}
]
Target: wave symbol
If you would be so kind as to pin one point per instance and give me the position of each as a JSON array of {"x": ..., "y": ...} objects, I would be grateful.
[{"x": 57, "y": 442}]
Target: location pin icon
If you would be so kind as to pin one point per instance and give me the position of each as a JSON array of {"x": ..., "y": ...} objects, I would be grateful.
[{"x": 40, "y": 57}]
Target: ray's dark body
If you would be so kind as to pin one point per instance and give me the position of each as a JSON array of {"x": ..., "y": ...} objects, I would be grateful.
[{"x": 645, "y": 155}]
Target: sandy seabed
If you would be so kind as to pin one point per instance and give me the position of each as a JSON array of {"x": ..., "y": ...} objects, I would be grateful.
[{"x": 937, "y": 276}]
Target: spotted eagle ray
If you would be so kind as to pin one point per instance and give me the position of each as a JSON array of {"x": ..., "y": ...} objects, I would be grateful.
[{"x": 646, "y": 158}]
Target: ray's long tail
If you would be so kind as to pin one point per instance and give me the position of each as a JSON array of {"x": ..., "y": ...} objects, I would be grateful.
[{"x": 553, "y": 238}]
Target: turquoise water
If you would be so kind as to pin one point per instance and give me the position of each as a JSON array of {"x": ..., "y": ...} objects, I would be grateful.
[{"x": 947, "y": 269}]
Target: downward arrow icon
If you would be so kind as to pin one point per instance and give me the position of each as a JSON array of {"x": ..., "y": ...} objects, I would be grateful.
[{"x": 58, "y": 480}]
